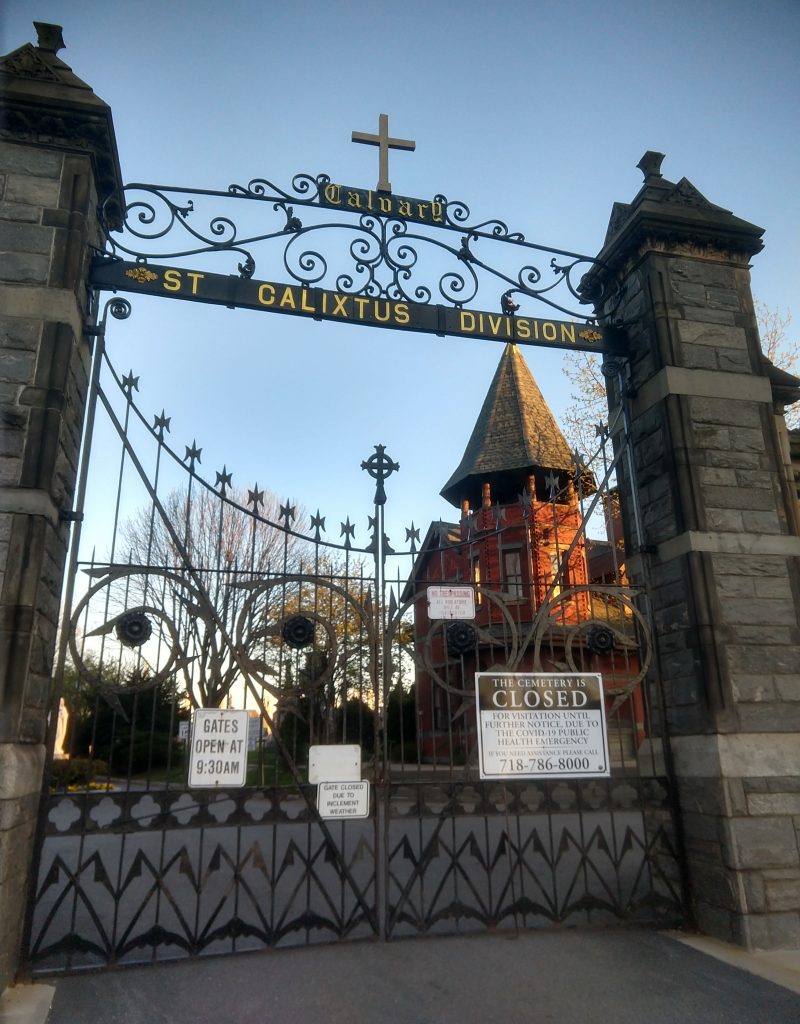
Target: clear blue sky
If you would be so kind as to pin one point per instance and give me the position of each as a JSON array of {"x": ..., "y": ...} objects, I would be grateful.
[{"x": 533, "y": 112}]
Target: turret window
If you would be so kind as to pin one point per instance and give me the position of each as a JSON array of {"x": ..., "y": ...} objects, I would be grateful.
[
  {"x": 559, "y": 571},
  {"x": 512, "y": 574},
  {"x": 476, "y": 577}
]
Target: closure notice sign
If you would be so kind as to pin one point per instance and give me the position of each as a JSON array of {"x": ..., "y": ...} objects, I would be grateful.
[{"x": 537, "y": 724}]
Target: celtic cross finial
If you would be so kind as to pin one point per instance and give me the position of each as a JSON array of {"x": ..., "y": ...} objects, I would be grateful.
[{"x": 379, "y": 466}]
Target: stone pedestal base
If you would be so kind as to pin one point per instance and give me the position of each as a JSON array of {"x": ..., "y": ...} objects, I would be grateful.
[{"x": 21, "y": 768}]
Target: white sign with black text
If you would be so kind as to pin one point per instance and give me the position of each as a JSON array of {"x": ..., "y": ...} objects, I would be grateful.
[
  {"x": 451, "y": 603},
  {"x": 218, "y": 751},
  {"x": 539, "y": 725},
  {"x": 343, "y": 799}
]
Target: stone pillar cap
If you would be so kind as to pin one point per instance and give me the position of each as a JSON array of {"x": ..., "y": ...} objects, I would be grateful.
[
  {"x": 672, "y": 213},
  {"x": 46, "y": 104}
]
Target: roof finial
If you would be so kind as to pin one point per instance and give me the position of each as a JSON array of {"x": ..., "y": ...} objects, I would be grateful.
[
  {"x": 50, "y": 38},
  {"x": 650, "y": 165}
]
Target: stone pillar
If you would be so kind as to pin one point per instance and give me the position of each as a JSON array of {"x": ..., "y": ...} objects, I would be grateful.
[
  {"x": 719, "y": 551},
  {"x": 58, "y": 160}
]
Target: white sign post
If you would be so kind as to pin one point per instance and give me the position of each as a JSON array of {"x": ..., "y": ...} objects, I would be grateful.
[
  {"x": 218, "y": 752},
  {"x": 541, "y": 725}
]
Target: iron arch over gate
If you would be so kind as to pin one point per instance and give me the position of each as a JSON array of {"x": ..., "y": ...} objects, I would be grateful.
[
  {"x": 208, "y": 596},
  {"x": 344, "y": 254}
]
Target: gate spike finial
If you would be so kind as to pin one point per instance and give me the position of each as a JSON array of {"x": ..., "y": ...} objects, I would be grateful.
[
  {"x": 347, "y": 531},
  {"x": 317, "y": 524},
  {"x": 192, "y": 455},
  {"x": 255, "y": 498},
  {"x": 551, "y": 481},
  {"x": 130, "y": 384},
  {"x": 161, "y": 425}
]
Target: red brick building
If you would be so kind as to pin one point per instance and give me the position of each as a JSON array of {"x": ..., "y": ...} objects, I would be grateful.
[{"x": 546, "y": 597}]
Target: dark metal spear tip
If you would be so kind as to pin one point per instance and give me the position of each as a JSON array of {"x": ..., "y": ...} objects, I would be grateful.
[{"x": 49, "y": 37}]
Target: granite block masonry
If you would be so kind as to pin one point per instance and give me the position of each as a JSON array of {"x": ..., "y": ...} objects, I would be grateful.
[
  {"x": 719, "y": 551},
  {"x": 58, "y": 160}
]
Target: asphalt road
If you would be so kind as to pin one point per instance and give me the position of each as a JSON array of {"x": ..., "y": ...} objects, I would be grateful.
[{"x": 617, "y": 976}]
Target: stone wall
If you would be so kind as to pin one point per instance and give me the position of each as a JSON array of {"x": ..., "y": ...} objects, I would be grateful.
[
  {"x": 55, "y": 146},
  {"x": 719, "y": 553}
]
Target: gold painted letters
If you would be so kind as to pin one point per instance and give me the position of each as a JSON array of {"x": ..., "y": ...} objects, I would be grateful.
[{"x": 172, "y": 280}]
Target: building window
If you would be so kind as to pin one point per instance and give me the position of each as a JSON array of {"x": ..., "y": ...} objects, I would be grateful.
[
  {"x": 476, "y": 578},
  {"x": 512, "y": 574},
  {"x": 559, "y": 564}
]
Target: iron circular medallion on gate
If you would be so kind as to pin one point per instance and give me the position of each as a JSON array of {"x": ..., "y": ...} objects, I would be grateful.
[
  {"x": 461, "y": 637},
  {"x": 600, "y": 640},
  {"x": 298, "y": 631},
  {"x": 133, "y": 629}
]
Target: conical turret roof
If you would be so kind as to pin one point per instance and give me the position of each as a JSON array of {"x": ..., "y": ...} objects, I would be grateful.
[{"x": 515, "y": 436}]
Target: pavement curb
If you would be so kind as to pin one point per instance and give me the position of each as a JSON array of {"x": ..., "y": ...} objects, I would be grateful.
[
  {"x": 26, "y": 1004},
  {"x": 782, "y": 967}
]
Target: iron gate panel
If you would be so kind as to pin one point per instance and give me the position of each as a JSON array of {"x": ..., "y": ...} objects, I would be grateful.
[
  {"x": 485, "y": 855},
  {"x": 206, "y": 595},
  {"x": 128, "y": 877}
]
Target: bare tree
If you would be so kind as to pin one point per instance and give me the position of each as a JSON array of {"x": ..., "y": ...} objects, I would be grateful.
[
  {"x": 776, "y": 346},
  {"x": 772, "y": 326},
  {"x": 199, "y": 556},
  {"x": 588, "y": 406}
]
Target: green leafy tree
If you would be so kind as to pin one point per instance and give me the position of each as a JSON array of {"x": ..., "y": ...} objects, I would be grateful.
[{"x": 124, "y": 723}]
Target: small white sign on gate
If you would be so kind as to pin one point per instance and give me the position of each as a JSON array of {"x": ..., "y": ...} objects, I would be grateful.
[
  {"x": 334, "y": 762},
  {"x": 218, "y": 752},
  {"x": 343, "y": 799},
  {"x": 451, "y": 603}
]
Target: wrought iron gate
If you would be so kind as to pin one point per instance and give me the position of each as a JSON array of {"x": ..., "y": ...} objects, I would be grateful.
[{"x": 208, "y": 596}]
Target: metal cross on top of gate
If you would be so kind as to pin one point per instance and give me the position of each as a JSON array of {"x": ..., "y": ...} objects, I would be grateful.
[
  {"x": 379, "y": 466},
  {"x": 384, "y": 142}
]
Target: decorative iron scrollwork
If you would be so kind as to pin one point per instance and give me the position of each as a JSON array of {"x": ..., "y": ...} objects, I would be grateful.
[
  {"x": 364, "y": 253},
  {"x": 600, "y": 640},
  {"x": 461, "y": 637},
  {"x": 134, "y": 628},
  {"x": 298, "y": 632}
]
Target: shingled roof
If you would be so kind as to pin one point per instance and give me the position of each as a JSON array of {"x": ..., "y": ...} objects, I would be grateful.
[{"x": 515, "y": 436}]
